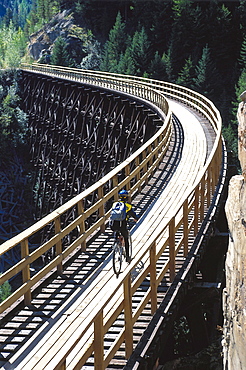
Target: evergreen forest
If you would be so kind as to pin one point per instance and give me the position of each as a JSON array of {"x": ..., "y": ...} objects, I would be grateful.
[{"x": 197, "y": 44}]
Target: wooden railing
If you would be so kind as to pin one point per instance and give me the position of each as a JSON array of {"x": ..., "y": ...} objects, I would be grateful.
[{"x": 137, "y": 168}]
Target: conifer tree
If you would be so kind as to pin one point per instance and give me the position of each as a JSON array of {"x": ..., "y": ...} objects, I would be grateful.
[
  {"x": 240, "y": 88},
  {"x": 242, "y": 57},
  {"x": 41, "y": 10},
  {"x": 182, "y": 40},
  {"x": 180, "y": 6},
  {"x": 167, "y": 63},
  {"x": 13, "y": 121},
  {"x": 115, "y": 46},
  {"x": 126, "y": 65},
  {"x": 140, "y": 50},
  {"x": 157, "y": 68},
  {"x": 32, "y": 21},
  {"x": 12, "y": 46},
  {"x": 7, "y": 17},
  {"x": 206, "y": 79},
  {"x": 60, "y": 56},
  {"x": 46, "y": 9},
  {"x": 185, "y": 75},
  {"x": 104, "y": 64},
  {"x": 201, "y": 71}
]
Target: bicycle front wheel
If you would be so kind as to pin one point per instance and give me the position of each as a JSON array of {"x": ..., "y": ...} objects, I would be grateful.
[{"x": 117, "y": 258}]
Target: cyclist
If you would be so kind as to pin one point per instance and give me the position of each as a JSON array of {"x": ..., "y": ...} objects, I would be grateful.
[{"x": 121, "y": 226}]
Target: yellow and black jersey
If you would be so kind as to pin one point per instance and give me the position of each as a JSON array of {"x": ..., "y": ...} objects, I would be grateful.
[{"x": 130, "y": 212}]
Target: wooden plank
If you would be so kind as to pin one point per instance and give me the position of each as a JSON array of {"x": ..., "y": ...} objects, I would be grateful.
[
  {"x": 98, "y": 342},
  {"x": 128, "y": 316},
  {"x": 153, "y": 278}
]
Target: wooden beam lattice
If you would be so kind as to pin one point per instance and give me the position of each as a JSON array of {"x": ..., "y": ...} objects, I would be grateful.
[{"x": 79, "y": 133}]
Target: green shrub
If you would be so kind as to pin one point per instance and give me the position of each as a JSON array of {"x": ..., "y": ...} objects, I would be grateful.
[{"x": 5, "y": 291}]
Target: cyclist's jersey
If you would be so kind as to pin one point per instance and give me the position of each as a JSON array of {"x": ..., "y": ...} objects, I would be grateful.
[
  {"x": 130, "y": 212},
  {"x": 121, "y": 226}
]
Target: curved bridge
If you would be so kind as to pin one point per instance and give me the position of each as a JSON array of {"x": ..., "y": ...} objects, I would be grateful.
[{"x": 173, "y": 178}]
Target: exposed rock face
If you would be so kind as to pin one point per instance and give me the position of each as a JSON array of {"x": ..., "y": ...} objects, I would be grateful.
[
  {"x": 61, "y": 25},
  {"x": 44, "y": 38},
  {"x": 241, "y": 116},
  {"x": 234, "y": 305}
]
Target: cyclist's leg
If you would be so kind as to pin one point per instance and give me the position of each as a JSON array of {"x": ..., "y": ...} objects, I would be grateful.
[
  {"x": 116, "y": 234},
  {"x": 124, "y": 233},
  {"x": 115, "y": 226}
]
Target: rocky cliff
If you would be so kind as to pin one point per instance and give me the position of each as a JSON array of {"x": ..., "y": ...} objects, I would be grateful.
[
  {"x": 83, "y": 50},
  {"x": 234, "y": 303}
]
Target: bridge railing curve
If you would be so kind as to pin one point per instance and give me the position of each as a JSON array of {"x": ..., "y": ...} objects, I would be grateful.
[{"x": 137, "y": 168}]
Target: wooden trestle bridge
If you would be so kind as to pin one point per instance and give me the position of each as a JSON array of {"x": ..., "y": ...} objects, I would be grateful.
[{"x": 92, "y": 134}]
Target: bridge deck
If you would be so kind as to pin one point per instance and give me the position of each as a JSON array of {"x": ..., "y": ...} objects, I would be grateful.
[{"x": 36, "y": 336}]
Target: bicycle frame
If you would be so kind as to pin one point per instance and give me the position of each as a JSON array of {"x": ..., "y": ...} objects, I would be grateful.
[{"x": 119, "y": 251}]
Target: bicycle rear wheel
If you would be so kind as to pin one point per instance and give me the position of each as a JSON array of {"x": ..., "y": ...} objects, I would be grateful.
[{"x": 117, "y": 258}]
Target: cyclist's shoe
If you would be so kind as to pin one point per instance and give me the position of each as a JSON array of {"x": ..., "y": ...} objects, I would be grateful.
[{"x": 128, "y": 259}]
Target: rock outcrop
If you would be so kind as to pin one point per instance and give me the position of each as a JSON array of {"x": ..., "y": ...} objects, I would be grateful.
[
  {"x": 62, "y": 25},
  {"x": 241, "y": 116},
  {"x": 234, "y": 303},
  {"x": 43, "y": 39}
]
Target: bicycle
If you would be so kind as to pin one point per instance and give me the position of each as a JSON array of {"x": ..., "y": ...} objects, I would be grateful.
[{"x": 119, "y": 252}]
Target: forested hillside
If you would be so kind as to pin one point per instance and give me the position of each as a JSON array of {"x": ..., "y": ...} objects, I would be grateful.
[{"x": 200, "y": 44}]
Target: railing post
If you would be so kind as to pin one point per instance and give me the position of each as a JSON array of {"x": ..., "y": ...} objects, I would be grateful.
[
  {"x": 98, "y": 342},
  {"x": 153, "y": 158},
  {"x": 218, "y": 161},
  {"x": 138, "y": 173},
  {"x": 172, "y": 248},
  {"x": 153, "y": 283},
  {"x": 145, "y": 168},
  {"x": 202, "y": 198},
  {"x": 128, "y": 316},
  {"x": 26, "y": 271},
  {"x": 219, "y": 156},
  {"x": 196, "y": 210},
  {"x": 62, "y": 366},
  {"x": 101, "y": 209},
  {"x": 115, "y": 184},
  {"x": 208, "y": 185},
  {"x": 217, "y": 164},
  {"x": 127, "y": 173},
  {"x": 82, "y": 224},
  {"x": 213, "y": 173},
  {"x": 186, "y": 226},
  {"x": 59, "y": 244}
]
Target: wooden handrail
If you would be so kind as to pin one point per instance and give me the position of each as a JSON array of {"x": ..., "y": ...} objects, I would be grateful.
[{"x": 163, "y": 237}]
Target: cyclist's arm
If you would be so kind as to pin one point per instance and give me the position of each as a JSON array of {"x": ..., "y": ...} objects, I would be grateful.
[{"x": 132, "y": 214}]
